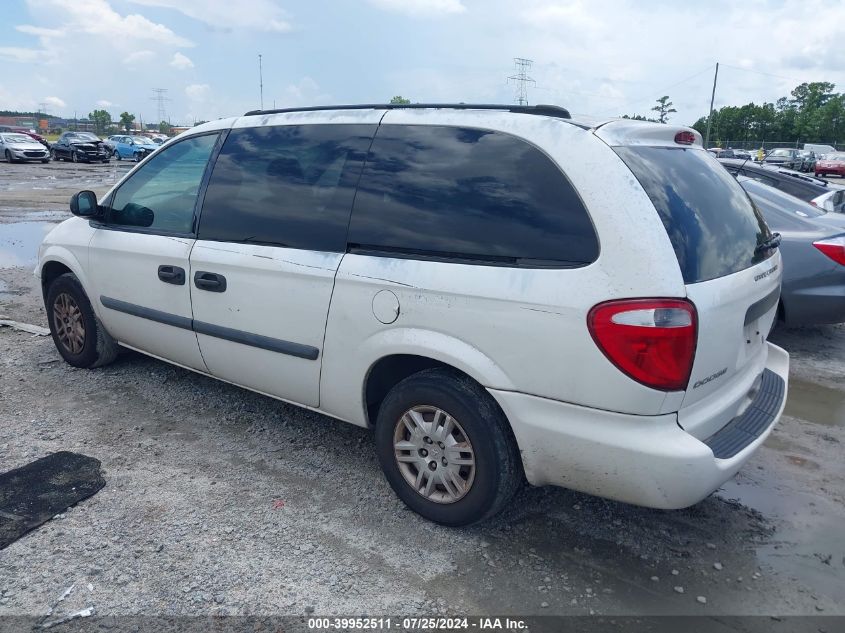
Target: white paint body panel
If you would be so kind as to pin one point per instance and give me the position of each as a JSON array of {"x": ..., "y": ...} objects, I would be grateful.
[
  {"x": 282, "y": 293},
  {"x": 124, "y": 266}
]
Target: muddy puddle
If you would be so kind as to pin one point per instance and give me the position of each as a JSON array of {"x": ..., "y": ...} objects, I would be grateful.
[
  {"x": 19, "y": 243},
  {"x": 815, "y": 403}
]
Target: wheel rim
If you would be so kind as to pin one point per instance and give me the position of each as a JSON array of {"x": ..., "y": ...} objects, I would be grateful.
[
  {"x": 70, "y": 326},
  {"x": 434, "y": 454},
  {"x": 73, "y": 156}
]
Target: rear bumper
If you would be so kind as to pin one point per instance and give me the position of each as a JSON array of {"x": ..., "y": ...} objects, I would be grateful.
[{"x": 644, "y": 460}]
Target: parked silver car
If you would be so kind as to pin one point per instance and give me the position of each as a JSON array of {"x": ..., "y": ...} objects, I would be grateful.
[
  {"x": 813, "y": 251},
  {"x": 15, "y": 147}
]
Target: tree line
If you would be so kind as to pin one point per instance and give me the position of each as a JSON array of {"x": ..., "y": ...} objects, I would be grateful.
[{"x": 813, "y": 113}]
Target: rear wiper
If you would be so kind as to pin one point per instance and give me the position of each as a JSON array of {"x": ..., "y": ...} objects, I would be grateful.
[{"x": 770, "y": 244}]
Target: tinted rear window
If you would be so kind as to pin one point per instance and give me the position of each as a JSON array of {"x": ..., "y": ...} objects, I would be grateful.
[
  {"x": 711, "y": 223},
  {"x": 460, "y": 193}
]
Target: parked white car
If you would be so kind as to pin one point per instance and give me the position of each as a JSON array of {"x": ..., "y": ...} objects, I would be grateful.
[
  {"x": 16, "y": 147},
  {"x": 831, "y": 201},
  {"x": 502, "y": 293}
]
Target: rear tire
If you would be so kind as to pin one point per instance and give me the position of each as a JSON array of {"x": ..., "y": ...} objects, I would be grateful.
[
  {"x": 77, "y": 333},
  {"x": 476, "y": 465},
  {"x": 117, "y": 155}
]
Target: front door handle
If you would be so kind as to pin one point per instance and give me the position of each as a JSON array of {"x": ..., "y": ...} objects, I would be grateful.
[
  {"x": 209, "y": 281},
  {"x": 172, "y": 275}
]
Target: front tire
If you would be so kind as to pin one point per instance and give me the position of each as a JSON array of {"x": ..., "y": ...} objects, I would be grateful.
[
  {"x": 9, "y": 158},
  {"x": 74, "y": 158},
  {"x": 77, "y": 333},
  {"x": 446, "y": 448}
]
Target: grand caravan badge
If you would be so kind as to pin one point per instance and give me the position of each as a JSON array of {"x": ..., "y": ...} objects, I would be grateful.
[{"x": 771, "y": 271}]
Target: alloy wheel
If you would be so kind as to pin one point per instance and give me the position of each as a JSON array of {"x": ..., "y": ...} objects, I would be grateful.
[
  {"x": 434, "y": 454},
  {"x": 69, "y": 323}
]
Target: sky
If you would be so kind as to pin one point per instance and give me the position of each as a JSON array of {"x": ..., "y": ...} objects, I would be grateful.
[{"x": 598, "y": 58}]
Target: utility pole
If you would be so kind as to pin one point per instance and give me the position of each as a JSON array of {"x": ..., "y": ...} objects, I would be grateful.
[
  {"x": 261, "y": 80},
  {"x": 521, "y": 79},
  {"x": 710, "y": 116}
]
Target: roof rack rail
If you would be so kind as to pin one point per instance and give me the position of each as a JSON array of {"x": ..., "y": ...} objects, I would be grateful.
[{"x": 543, "y": 110}]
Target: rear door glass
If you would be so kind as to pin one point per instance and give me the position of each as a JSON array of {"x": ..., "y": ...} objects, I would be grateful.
[
  {"x": 453, "y": 193},
  {"x": 713, "y": 227}
]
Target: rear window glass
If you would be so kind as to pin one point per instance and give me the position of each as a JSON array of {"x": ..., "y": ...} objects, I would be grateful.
[
  {"x": 713, "y": 227},
  {"x": 468, "y": 194}
]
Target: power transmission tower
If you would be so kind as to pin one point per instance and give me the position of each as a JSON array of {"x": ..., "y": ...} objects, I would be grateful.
[
  {"x": 161, "y": 99},
  {"x": 521, "y": 79}
]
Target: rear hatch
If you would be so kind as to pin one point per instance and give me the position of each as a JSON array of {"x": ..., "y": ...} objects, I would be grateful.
[{"x": 730, "y": 272}]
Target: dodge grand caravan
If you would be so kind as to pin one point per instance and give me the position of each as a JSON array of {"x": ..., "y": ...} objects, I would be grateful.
[{"x": 502, "y": 293}]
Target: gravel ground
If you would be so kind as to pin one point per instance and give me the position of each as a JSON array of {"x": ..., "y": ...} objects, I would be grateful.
[{"x": 221, "y": 501}]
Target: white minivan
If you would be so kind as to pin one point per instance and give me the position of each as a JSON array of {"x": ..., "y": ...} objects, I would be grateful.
[{"x": 503, "y": 293}]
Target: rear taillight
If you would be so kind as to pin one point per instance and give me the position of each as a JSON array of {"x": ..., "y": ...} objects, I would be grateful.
[
  {"x": 833, "y": 248},
  {"x": 651, "y": 340},
  {"x": 684, "y": 138}
]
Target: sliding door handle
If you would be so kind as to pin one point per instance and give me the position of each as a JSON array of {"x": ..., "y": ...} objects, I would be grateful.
[{"x": 209, "y": 281}]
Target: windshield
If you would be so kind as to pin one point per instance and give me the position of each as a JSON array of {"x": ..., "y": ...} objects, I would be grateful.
[
  {"x": 142, "y": 140},
  {"x": 835, "y": 157},
  {"x": 16, "y": 138},
  {"x": 781, "y": 152},
  {"x": 83, "y": 136},
  {"x": 713, "y": 226}
]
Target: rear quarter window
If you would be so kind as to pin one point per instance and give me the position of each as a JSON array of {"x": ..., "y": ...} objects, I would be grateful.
[
  {"x": 713, "y": 226},
  {"x": 468, "y": 194}
]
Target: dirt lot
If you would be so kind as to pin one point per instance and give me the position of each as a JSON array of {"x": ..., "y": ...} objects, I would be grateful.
[{"x": 222, "y": 501}]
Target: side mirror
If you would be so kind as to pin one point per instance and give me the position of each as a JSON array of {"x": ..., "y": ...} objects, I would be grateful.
[
  {"x": 131, "y": 142},
  {"x": 84, "y": 204}
]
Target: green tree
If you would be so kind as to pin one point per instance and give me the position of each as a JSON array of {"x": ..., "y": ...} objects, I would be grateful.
[
  {"x": 126, "y": 120},
  {"x": 638, "y": 117},
  {"x": 164, "y": 127},
  {"x": 101, "y": 119},
  {"x": 663, "y": 108},
  {"x": 400, "y": 100}
]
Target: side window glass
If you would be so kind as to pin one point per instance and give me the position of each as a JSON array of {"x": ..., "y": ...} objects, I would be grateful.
[
  {"x": 289, "y": 185},
  {"x": 161, "y": 195},
  {"x": 462, "y": 193}
]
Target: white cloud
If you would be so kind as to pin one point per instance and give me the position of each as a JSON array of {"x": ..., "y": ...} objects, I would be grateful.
[
  {"x": 97, "y": 17},
  {"x": 40, "y": 31},
  {"x": 259, "y": 15},
  {"x": 421, "y": 8},
  {"x": 22, "y": 55},
  {"x": 305, "y": 92},
  {"x": 103, "y": 103},
  {"x": 139, "y": 57},
  {"x": 181, "y": 62},
  {"x": 198, "y": 92},
  {"x": 55, "y": 102}
]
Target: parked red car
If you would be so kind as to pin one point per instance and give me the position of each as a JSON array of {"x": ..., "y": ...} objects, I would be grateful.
[
  {"x": 831, "y": 164},
  {"x": 21, "y": 130}
]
